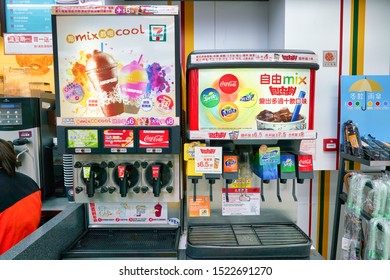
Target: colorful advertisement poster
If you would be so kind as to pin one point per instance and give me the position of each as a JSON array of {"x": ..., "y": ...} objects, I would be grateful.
[
  {"x": 83, "y": 138},
  {"x": 116, "y": 70},
  {"x": 118, "y": 138},
  {"x": 128, "y": 213},
  {"x": 365, "y": 100},
  {"x": 242, "y": 202},
  {"x": 254, "y": 99}
]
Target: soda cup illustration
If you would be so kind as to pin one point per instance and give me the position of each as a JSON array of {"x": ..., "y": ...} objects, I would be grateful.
[{"x": 216, "y": 163}]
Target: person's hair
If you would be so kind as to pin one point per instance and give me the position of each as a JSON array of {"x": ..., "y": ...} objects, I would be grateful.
[{"x": 8, "y": 159}]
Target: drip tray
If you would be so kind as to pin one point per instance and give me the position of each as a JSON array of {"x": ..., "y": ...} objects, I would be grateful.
[
  {"x": 105, "y": 243},
  {"x": 240, "y": 241}
]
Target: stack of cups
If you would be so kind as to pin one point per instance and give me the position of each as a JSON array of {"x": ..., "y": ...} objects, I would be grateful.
[{"x": 68, "y": 176}]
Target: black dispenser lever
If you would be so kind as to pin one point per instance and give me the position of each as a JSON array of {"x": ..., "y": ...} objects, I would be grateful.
[
  {"x": 211, "y": 177},
  {"x": 122, "y": 175},
  {"x": 91, "y": 183},
  {"x": 156, "y": 173}
]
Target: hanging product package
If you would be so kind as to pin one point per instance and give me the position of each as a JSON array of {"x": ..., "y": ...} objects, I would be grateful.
[
  {"x": 351, "y": 139},
  {"x": 353, "y": 234},
  {"x": 378, "y": 240}
]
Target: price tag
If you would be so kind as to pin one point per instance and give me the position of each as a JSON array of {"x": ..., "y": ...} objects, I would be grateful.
[{"x": 208, "y": 160}]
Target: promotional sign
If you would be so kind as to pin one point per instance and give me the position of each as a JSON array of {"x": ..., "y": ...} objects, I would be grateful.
[
  {"x": 208, "y": 160},
  {"x": 200, "y": 207},
  {"x": 118, "y": 138},
  {"x": 153, "y": 138},
  {"x": 254, "y": 99},
  {"x": 116, "y": 70},
  {"x": 128, "y": 213},
  {"x": 365, "y": 100},
  {"x": 242, "y": 202},
  {"x": 37, "y": 43}
]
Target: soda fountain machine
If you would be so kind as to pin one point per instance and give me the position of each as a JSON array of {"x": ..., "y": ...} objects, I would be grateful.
[
  {"x": 119, "y": 112},
  {"x": 248, "y": 112}
]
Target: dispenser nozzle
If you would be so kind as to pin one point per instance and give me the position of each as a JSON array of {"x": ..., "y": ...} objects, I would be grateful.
[
  {"x": 122, "y": 175},
  {"x": 156, "y": 173}
]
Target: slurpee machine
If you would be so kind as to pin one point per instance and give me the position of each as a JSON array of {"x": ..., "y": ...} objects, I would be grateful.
[
  {"x": 248, "y": 112},
  {"x": 118, "y": 97}
]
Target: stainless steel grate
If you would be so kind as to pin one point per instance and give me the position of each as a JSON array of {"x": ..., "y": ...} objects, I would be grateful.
[{"x": 229, "y": 241}]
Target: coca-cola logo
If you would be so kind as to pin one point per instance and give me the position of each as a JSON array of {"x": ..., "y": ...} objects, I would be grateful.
[
  {"x": 305, "y": 162},
  {"x": 228, "y": 83},
  {"x": 153, "y": 139},
  {"x": 157, "y": 139}
]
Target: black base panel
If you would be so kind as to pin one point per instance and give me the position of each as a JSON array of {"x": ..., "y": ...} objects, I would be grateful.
[{"x": 125, "y": 243}]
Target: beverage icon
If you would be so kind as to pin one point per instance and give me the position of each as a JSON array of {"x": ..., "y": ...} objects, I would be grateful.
[
  {"x": 102, "y": 71},
  {"x": 216, "y": 163},
  {"x": 133, "y": 80}
]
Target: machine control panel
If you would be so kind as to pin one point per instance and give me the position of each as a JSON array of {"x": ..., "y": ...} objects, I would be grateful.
[{"x": 11, "y": 114}]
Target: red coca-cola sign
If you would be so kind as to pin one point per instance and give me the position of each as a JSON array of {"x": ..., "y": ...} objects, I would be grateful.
[
  {"x": 153, "y": 138},
  {"x": 228, "y": 83},
  {"x": 305, "y": 163}
]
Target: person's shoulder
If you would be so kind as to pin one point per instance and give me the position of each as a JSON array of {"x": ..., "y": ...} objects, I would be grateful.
[{"x": 25, "y": 178}]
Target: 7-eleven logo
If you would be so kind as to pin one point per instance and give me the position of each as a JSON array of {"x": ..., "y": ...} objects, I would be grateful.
[{"x": 158, "y": 33}]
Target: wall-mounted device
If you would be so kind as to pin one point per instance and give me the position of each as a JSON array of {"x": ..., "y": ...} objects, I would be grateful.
[{"x": 28, "y": 122}]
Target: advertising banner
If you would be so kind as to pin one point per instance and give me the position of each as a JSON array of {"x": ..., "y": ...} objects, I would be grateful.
[
  {"x": 116, "y": 70},
  {"x": 254, "y": 99},
  {"x": 365, "y": 100},
  {"x": 128, "y": 213}
]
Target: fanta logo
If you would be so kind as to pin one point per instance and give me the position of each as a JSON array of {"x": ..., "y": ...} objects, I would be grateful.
[
  {"x": 228, "y": 112},
  {"x": 207, "y": 151},
  {"x": 228, "y": 83},
  {"x": 230, "y": 162}
]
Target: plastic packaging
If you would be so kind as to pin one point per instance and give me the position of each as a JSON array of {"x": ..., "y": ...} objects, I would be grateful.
[
  {"x": 378, "y": 240},
  {"x": 352, "y": 241},
  {"x": 375, "y": 199},
  {"x": 351, "y": 139}
]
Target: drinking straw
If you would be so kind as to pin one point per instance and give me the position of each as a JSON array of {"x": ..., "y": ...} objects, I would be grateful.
[
  {"x": 297, "y": 108},
  {"x": 139, "y": 60}
]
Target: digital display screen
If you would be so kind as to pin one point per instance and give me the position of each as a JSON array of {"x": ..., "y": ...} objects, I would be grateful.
[
  {"x": 26, "y": 16},
  {"x": 118, "y": 138},
  {"x": 83, "y": 138},
  {"x": 11, "y": 114},
  {"x": 154, "y": 138}
]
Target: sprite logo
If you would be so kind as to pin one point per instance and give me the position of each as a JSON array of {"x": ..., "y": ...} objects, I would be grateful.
[
  {"x": 158, "y": 33},
  {"x": 209, "y": 97}
]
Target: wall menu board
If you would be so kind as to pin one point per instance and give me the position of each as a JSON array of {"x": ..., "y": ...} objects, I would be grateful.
[{"x": 28, "y": 16}]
